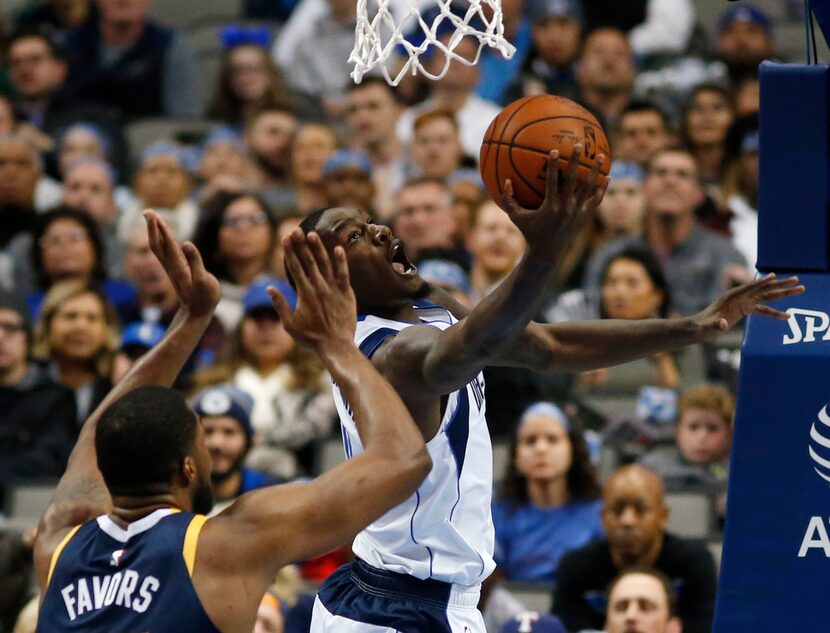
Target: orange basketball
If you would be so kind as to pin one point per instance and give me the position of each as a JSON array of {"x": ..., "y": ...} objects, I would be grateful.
[{"x": 519, "y": 140}]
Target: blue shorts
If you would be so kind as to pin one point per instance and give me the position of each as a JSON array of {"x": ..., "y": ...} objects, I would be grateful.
[{"x": 359, "y": 598}]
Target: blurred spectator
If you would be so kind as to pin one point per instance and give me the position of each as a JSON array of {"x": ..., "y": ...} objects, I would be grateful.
[
  {"x": 706, "y": 120},
  {"x": 249, "y": 81},
  {"x": 703, "y": 441},
  {"x": 556, "y": 38},
  {"x": 347, "y": 180},
  {"x": 127, "y": 62},
  {"x": 293, "y": 405},
  {"x": 313, "y": 51},
  {"x": 37, "y": 71},
  {"x": 496, "y": 245},
  {"x": 77, "y": 335},
  {"x": 136, "y": 340},
  {"x": 425, "y": 219},
  {"x": 635, "y": 515},
  {"x": 269, "y": 618},
  {"x": 162, "y": 183},
  {"x": 311, "y": 147},
  {"x": 497, "y": 73},
  {"x": 468, "y": 194},
  {"x": 621, "y": 211},
  {"x": 38, "y": 422},
  {"x": 744, "y": 40},
  {"x": 222, "y": 164},
  {"x": 225, "y": 414},
  {"x": 653, "y": 26},
  {"x": 286, "y": 224},
  {"x": 66, "y": 245},
  {"x": 8, "y": 117},
  {"x": 16, "y": 576},
  {"x": 740, "y": 187},
  {"x": 156, "y": 300},
  {"x": 642, "y": 129},
  {"x": 550, "y": 502},
  {"x": 449, "y": 277},
  {"x": 268, "y": 135},
  {"x": 436, "y": 150},
  {"x": 747, "y": 96},
  {"x": 372, "y": 113},
  {"x": 27, "y": 620},
  {"x": 642, "y": 599},
  {"x": 237, "y": 235},
  {"x": 19, "y": 175},
  {"x": 59, "y": 15},
  {"x": 81, "y": 140},
  {"x": 695, "y": 260},
  {"x": 455, "y": 93},
  {"x": 605, "y": 74}
]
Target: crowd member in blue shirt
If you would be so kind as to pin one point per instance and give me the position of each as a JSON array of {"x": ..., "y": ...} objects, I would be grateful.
[{"x": 550, "y": 500}]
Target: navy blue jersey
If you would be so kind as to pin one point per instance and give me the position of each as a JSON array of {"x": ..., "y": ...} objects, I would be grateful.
[{"x": 138, "y": 580}]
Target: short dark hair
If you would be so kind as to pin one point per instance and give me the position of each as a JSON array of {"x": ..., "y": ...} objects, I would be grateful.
[
  {"x": 643, "y": 105},
  {"x": 665, "y": 582},
  {"x": 312, "y": 220},
  {"x": 142, "y": 439},
  {"x": 368, "y": 82},
  {"x": 65, "y": 212},
  {"x": 41, "y": 32},
  {"x": 653, "y": 269}
]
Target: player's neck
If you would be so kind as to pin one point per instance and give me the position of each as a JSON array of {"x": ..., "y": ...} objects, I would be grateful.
[
  {"x": 129, "y": 509},
  {"x": 548, "y": 494}
]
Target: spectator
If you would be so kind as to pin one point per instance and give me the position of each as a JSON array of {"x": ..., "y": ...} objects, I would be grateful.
[
  {"x": 269, "y": 617},
  {"x": 642, "y": 129},
  {"x": 653, "y": 26},
  {"x": 706, "y": 120},
  {"x": 496, "y": 246},
  {"x": 127, "y": 62},
  {"x": 744, "y": 40},
  {"x": 17, "y": 575},
  {"x": 37, "y": 71},
  {"x": 496, "y": 72},
  {"x": 136, "y": 340},
  {"x": 468, "y": 194},
  {"x": 556, "y": 40},
  {"x": 425, "y": 219},
  {"x": 225, "y": 413},
  {"x": 455, "y": 93},
  {"x": 347, "y": 180},
  {"x": 268, "y": 135},
  {"x": 621, "y": 211},
  {"x": 286, "y": 224},
  {"x": 311, "y": 147},
  {"x": 703, "y": 441},
  {"x": 162, "y": 183},
  {"x": 695, "y": 260},
  {"x": 747, "y": 96},
  {"x": 292, "y": 395},
  {"x": 156, "y": 300},
  {"x": 8, "y": 117},
  {"x": 740, "y": 189},
  {"x": 222, "y": 164},
  {"x": 38, "y": 422},
  {"x": 449, "y": 277},
  {"x": 249, "y": 81},
  {"x": 642, "y": 599},
  {"x": 605, "y": 74},
  {"x": 634, "y": 516},
  {"x": 61, "y": 16},
  {"x": 436, "y": 150},
  {"x": 81, "y": 140},
  {"x": 372, "y": 113},
  {"x": 66, "y": 245},
  {"x": 76, "y": 334},
  {"x": 550, "y": 503},
  {"x": 236, "y": 234},
  {"x": 20, "y": 170}
]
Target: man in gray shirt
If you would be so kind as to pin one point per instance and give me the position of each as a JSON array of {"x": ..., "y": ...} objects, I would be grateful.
[{"x": 697, "y": 262}]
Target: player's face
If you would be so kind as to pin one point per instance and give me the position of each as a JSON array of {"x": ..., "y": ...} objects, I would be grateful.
[
  {"x": 633, "y": 515},
  {"x": 372, "y": 114},
  {"x": 425, "y": 217},
  {"x": 641, "y": 134},
  {"x": 621, "y": 209},
  {"x": 88, "y": 188},
  {"x": 543, "y": 449},
  {"x": 638, "y": 604},
  {"x": 226, "y": 443},
  {"x": 495, "y": 242},
  {"x": 380, "y": 273},
  {"x": 703, "y": 436},
  {"x": 628, "y": 291},
  {"x": 12, "y": 342},
  {"x": 671, "y": 186}
]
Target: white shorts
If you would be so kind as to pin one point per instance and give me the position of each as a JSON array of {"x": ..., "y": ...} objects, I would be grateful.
[{"x": 358, "y": 598}]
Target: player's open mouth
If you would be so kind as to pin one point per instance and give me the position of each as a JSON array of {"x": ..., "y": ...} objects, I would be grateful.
[{"x": 400, "y": 264}]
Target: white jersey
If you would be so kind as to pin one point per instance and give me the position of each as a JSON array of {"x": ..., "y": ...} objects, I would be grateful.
[{"x": 445, "y": 530}]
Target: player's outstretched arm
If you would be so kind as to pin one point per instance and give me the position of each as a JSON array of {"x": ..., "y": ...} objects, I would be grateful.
[
  {"x": 266, "y": 529},
  {"x": 448, "y": 360},
  {"x": 81, "y": 493}
]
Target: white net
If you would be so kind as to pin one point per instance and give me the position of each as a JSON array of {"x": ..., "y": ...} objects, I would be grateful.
[{"x": 392, "y": 36}]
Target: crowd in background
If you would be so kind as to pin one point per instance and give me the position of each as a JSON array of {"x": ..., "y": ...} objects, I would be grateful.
[{"x": 283, "y": 131}]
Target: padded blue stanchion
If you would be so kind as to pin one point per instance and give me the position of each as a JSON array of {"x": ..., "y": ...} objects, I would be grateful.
[{"x": 793, "y": 228}]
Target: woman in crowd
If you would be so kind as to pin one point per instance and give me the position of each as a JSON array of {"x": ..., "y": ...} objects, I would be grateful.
[
  {"x": 550, "y": 503},
  {"x": 706, "y": 119},
  {"x": 67, "y": 245},
  {"x": 292, "y": 394},
  {"x": 311, "y": 147},
  {"x": 77, "y": 335},
  {"x": 237, "y": 235}
]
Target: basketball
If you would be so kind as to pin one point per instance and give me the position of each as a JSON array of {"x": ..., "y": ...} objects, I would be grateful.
[{"x": 517, "y": 144}]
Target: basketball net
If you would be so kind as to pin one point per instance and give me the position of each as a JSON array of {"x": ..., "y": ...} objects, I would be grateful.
[{"x": 385, "y": 39}]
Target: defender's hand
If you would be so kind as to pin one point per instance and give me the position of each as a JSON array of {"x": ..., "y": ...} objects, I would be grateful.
[
  {"x": 197, "y": 289},
  {"x": 326, "y": 314},
  {"x": 549, "y": 229},
  {"x": 734, "y": 305}
]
